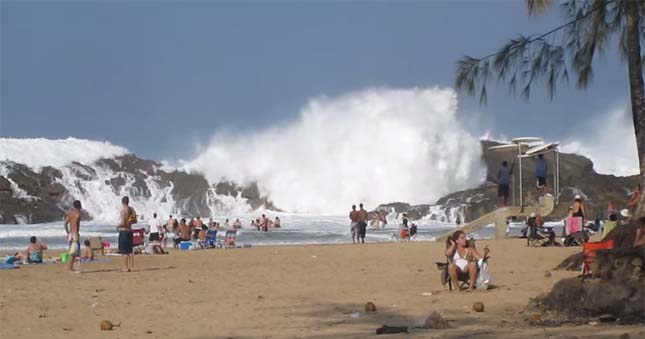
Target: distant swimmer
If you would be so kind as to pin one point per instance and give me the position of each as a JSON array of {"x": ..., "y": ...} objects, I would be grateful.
[
  {"x": 276, "y": 223},
  {"x": 362, "y": 223},
  {"x": 265, "y": 223},
  {"x": 128, "y": 218},
  {"x": 353, "y": 217},
  {"x": 378, "y": 220},
  {"x": 73, "y": 220},
  {"x": 237, "y": 223}
]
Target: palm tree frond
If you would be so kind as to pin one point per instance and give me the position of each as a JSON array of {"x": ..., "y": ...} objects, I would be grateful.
[{"x": 538, "y": 6}]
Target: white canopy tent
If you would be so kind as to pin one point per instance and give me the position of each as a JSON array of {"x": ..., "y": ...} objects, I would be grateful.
[{"x": 529, "y": 147}]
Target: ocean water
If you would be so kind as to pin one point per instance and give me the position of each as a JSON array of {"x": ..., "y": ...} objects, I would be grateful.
[{"x": 296, "y": 230}]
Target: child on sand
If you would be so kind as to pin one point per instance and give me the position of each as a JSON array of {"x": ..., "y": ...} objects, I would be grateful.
[{"x": 87, "y": 254}]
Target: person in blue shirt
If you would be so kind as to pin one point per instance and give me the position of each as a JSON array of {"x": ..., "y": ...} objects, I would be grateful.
[
  {"x": 504, "y": 178},
  {"x": 540, "y": 173}
]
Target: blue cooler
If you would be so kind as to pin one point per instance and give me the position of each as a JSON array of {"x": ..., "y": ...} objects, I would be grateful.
[{"x": 185, "y": 245}]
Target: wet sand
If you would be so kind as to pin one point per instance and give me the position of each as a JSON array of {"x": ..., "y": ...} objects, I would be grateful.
[{"x": 285, "y": 292}]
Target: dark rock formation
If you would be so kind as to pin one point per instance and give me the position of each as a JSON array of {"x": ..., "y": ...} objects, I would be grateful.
[
  {"x": 615, "y": 291},
  {"x": 46, "y": 198},
  {"x": 577, "y": 176}
]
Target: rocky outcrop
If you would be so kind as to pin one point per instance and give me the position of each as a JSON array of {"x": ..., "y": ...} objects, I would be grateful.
[
  {"x": 577, "y": 176},
  {"x": 35, "y": 197},
  {"x": 44, "y": 195}
]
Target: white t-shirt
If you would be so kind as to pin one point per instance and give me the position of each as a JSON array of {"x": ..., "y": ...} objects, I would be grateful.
[{"x": 155, "y": 225}]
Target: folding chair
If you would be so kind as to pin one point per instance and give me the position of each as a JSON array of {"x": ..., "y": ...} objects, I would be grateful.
[
  {"x": 229, "y": 239},
  {"x": 96, "y": 244},
  {"x": 211, "y": 238},
  {"x": 539, "y": 236},
  {"x": 589, "y": 253},
  {"x": 464, "y": 278},
  {"x": 138, "y": 240}
]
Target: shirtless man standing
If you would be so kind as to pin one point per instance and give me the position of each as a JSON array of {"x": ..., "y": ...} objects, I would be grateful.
[
  {"x": 362, "y": 223},
  {"x": 128, "y": 216},
  {"x": 353, "y": 216},
  {"x": 73, "y": 219}
]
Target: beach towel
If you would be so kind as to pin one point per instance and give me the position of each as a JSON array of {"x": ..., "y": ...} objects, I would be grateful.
[
  {"x": 574, "y": 224},
  {"x": 5, "y": 266}
]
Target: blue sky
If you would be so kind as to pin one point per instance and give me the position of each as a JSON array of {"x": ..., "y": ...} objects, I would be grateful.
[{"x": 158, "y": 77}]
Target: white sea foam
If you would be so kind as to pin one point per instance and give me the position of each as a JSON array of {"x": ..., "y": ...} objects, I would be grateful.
[
  {"x": 40, "y": 152},
  {"x": 609, "y": 142},
  {"x": 372, "y": 146}
]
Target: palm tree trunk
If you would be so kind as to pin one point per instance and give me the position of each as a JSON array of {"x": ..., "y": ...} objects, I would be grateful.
[{"x": 636, "y": 90}]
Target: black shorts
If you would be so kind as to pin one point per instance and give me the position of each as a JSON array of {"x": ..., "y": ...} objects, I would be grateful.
[
  {"x": 362, "y": 229},
  {"x": 502, "y": 191},
  {"x": 541, "y": 181},
  {"x": 154, "y": 237},
  {"x": 125, "y": 242}
]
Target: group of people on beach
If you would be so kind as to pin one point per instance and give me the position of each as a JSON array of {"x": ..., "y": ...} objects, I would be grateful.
[
  {"x": 505, "y": 173},
  {"x": 358, "y": 224},
  {"x": 76, "y": 254},
  {"x": 406, "y": 232},
  {"x": 157, "y": 232},
  {"x": 195, "y": 229}
]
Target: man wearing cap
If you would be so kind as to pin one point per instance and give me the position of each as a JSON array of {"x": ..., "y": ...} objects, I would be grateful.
[{"x": 627, "y": 217}]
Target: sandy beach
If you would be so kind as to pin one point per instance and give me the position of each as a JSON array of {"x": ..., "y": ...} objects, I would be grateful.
[{"x": 285, "y": 292}]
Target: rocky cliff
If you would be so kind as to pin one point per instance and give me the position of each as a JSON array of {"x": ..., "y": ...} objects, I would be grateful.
[
  {"x": 30, "y": 195},
  {"x": 577, "y": 176}
]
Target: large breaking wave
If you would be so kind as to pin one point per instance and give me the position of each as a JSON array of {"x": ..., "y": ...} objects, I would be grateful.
[
  {"x": 372, "y": 146},
  {"x": 40, "y": 152}
]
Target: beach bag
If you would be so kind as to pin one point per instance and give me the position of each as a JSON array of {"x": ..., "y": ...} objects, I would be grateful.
[
  {"x": 576, "y": 239},
  {"x": 483, "y": 276},
  {"x": 573, "y": 225},
  {"x": 132, "y": 219}
]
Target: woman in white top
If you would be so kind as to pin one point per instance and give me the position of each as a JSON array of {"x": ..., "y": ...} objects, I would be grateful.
[{"x": 462, "y": 259}]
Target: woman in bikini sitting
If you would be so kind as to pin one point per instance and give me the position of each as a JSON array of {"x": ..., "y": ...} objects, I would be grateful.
[{"x": 462, "y": 259}]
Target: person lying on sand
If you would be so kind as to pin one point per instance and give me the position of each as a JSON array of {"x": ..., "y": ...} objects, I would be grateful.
[{"x": 462, "y": 258}]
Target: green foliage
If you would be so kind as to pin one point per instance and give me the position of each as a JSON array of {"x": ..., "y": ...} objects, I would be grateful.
[{"x": 550, "y": 57}]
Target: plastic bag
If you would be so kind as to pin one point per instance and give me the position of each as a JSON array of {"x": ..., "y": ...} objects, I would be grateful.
[{"x": 483, "y": 276}]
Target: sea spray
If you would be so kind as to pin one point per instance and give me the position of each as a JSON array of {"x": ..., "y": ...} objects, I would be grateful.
[{"x": 373, "y": 146}]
